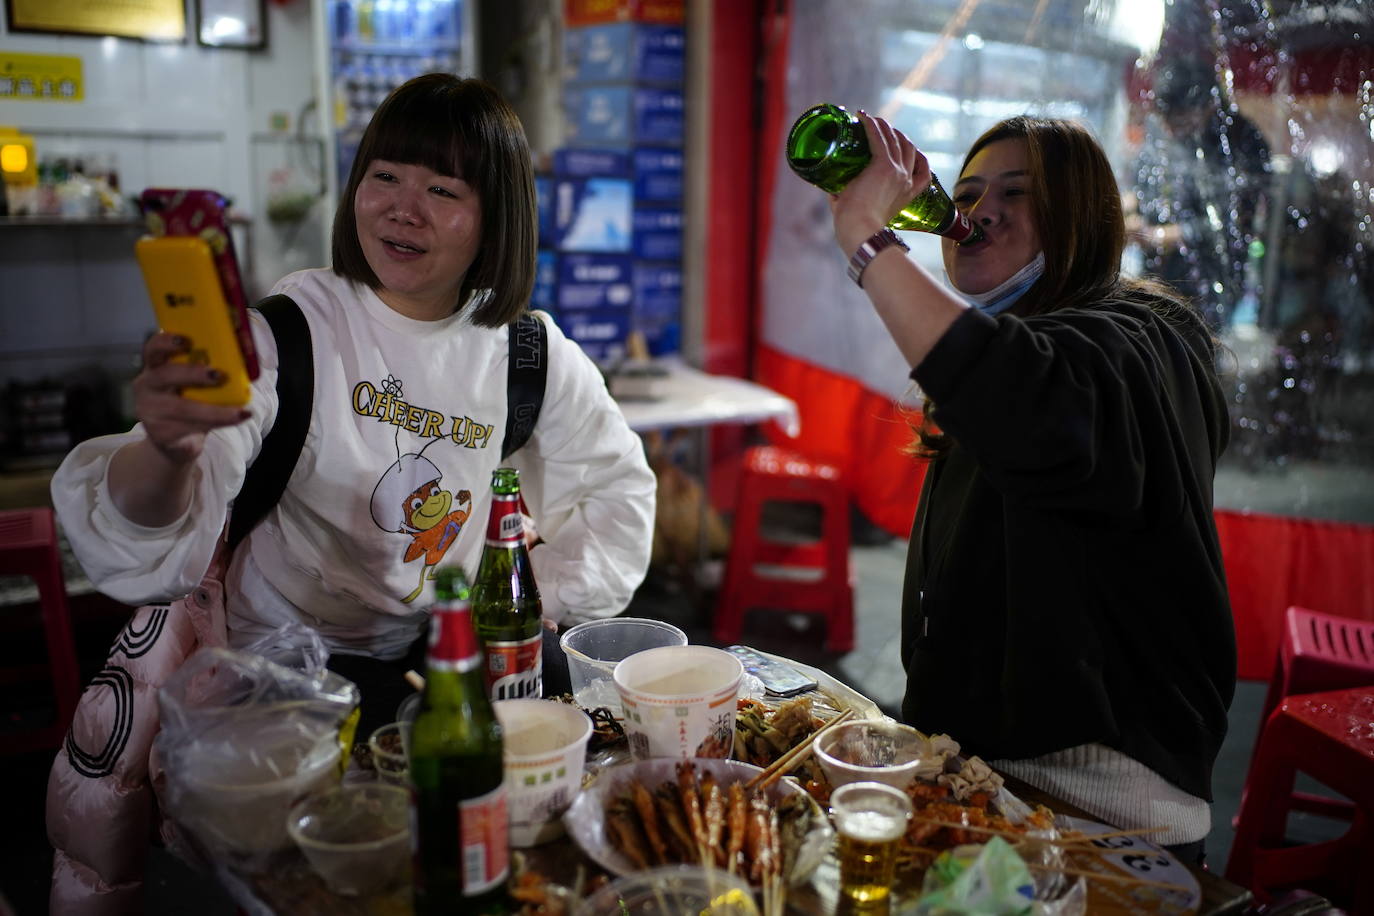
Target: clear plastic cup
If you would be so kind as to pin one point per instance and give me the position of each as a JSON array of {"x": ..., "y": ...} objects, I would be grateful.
[
  {"x": 594, "y": 648},
  {"x": 672, "y": 890},
  {"x": 872, "y": 750},
  {"x": 870, "y": 818},
  {"x": 390, "y": 746},
  {"x": 356, "y": 837}
]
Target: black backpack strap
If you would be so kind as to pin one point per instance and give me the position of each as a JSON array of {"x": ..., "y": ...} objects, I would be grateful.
[
  {"x": 526, "y": 373},
  {"x": 269, "y": 473}
]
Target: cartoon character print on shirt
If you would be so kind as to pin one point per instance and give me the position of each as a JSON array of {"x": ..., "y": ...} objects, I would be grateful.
[{"x": 408, "y": 498}]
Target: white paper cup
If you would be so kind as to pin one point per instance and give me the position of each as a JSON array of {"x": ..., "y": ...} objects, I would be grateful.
[
  {"x": 679, "y": 701},
  {"x": 594, "y": 649},
  {"x": 545, "y": 749}
]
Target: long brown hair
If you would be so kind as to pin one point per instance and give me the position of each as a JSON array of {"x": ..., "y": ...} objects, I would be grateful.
[
  {"x": 460, "y": 127},
  {"x": 1076, "y": 208}
]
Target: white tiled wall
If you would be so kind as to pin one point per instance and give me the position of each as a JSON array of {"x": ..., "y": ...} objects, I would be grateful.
[{"x": 173, "y": 115}]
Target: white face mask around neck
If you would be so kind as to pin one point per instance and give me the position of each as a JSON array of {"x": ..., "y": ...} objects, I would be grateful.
[{"x": 1001, "y": 297}]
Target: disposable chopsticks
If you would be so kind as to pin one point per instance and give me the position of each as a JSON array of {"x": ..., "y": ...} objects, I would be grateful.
[{"x": 793, "y": 758}]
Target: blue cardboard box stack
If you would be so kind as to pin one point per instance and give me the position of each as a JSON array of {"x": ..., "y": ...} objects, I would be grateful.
[{"x": 611, "y": 209}]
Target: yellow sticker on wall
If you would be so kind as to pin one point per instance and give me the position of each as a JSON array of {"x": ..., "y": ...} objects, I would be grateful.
[{"x": 40, "y": 78}]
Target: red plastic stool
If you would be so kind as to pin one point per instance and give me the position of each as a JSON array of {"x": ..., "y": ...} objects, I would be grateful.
[
  {"x": 1320, "y": 652},
  {"x": 28, "y": 547},
  {"x": 812, "y": 578},
  {"x": 1329, "y": 736}
]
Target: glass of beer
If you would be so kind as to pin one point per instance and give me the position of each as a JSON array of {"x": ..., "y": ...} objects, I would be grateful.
[{"x": 870, "y": 818}]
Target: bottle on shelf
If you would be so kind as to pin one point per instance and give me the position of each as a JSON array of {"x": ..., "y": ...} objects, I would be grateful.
[
  {"x": 506, "y": 608},
  {"x": 461, "y": 840},
  {"x": 827, "y": 148}
]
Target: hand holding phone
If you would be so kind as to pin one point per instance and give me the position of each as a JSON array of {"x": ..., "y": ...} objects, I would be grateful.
[
  {"x": 187, "y": 298},
  {"x": 203, "y": 214}
]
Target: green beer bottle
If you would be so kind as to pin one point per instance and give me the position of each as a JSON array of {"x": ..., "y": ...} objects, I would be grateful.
[
  {"x": 827, "y": 147},
  {"x": 461, "y": 846},
  {"x": 506, "y": 609}
]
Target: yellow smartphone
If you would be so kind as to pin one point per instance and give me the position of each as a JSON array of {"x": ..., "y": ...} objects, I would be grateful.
[{"x": 184, "y": 286}]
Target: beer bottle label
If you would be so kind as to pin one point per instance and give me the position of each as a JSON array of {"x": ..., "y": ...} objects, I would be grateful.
[
  {"x": 515, "y": 669},
  {"x": 505, "y": 525},
  {"x": 960, "y": 227},
  {"x": 483, "y": 843}
]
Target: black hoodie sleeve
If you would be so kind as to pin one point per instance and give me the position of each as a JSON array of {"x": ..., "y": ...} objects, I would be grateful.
[{"x": 1112, "y": 409}]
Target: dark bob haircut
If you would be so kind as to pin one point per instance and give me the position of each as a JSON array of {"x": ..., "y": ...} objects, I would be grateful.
[{"x": 462, "y": 128}]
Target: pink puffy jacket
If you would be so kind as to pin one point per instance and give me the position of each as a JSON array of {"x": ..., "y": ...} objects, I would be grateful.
[{"x": 101, "y": 803}]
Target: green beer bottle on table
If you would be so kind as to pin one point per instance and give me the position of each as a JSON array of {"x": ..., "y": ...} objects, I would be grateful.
[
  {"x": 827, "y": 147},
  {"x": 506, "y": 609},
  {"x": 461, "y": 846}
]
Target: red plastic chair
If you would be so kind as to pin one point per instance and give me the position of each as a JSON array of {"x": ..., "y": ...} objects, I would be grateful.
[
  {"x": 28, "y": 547},
  {"x": 1320, "y": 652},
  {"x": 1329, "y": 736},
  {"x": 811, "y": 578}
]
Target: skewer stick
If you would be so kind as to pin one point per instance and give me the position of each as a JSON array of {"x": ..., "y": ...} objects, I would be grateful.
[
  {"x": 794, "y": 757},
  {"x": 1084, "y": 840},
  {"x": 415, "y": 679},
  {"x": 1101, "y": 876},
  {"x": 955, "y": 825},
  {"x": 1089, "y": 837}
]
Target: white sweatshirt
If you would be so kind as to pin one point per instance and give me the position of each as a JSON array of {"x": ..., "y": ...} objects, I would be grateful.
[{"x": 405, "y": 430}]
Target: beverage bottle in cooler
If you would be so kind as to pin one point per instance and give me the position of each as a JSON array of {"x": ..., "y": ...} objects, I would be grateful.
[
  {"x": 827, "y": 147},
  {"x": 460, "y": 836},
  {"x": 505, "y": 600}
]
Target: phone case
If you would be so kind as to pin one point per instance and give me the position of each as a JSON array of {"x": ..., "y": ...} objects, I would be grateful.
[
  {"x": 779, "y": 678},
  {"x": 185, "y": 290},
  {"x": 197, "y": 213}
]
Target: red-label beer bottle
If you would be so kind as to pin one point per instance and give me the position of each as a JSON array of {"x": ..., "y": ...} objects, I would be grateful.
[
  {"x": 506, "y": 609},
  {"x": 458, "y": 809}
]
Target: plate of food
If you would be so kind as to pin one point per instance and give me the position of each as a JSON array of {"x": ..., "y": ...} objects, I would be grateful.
[{"x": 666, "y": 811}]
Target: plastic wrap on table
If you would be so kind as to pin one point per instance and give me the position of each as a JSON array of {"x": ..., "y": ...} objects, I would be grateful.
[{"x": 243, "y": 737}]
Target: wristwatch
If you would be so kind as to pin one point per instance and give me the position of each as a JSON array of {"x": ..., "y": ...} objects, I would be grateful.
[{"x": 883, "y": 238}]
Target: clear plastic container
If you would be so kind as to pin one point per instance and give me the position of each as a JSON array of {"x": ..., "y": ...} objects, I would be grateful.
[{"x": 594, "y": 648}]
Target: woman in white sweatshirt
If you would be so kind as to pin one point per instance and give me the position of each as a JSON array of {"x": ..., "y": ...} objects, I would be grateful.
[{"x": 434, "y": 257}]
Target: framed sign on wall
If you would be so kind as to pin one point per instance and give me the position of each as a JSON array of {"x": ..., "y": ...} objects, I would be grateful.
[
  {"x": 152, "y": 20},
  {"x": 231, "y": 23}
]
